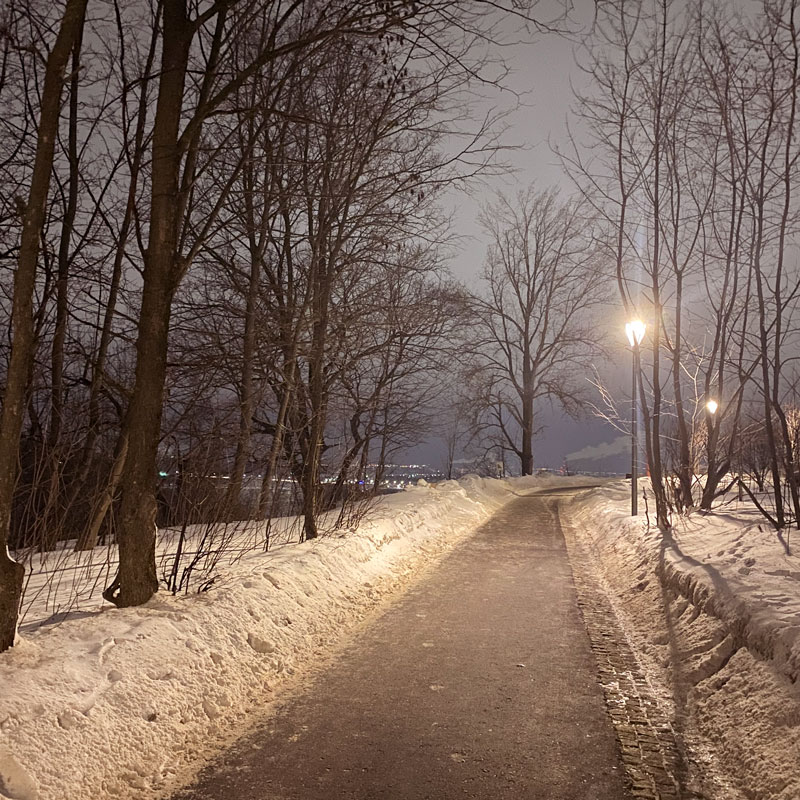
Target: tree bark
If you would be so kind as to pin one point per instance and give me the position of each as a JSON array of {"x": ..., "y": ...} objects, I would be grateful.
[
  {"x": 51, "y": 512},
  {"x": 266, "y": 494},
  {"x": 316, "y": 393},
  {"x": 91, "y": 534},
  {"x": 23, "y": 342},
  {"x": 88, "y": 461},
  {"x": 685, "y": 472},
  {"x": 527, "y": 418},
  {"x": 136, "y": 581},
  {"x": 247, "y": 398}
]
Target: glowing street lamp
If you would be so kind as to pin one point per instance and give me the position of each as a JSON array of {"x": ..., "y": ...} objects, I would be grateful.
[
  {"x": 711, "y": 406},
  {"x": 635, "y": 331}
]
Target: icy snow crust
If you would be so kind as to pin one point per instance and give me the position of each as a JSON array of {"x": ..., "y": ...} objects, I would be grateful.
[
  {"x": 118, "y": 702},
  {"x": 714, "y": 611}
]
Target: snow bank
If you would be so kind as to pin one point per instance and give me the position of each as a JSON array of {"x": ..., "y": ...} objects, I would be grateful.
[
  {"x": 714, "y": 611},
  {"x": 117, "y": 702},
  {"x": 729, "y": 563}
]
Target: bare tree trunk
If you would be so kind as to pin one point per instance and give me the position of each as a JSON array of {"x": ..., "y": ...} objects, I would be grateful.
[
  {"x": 364, "y": 461},
  {"x": 90, "y": 535},
  {"x": 247, "y": 399},
  {"x": 86, "y": 538},
  {"x": 338, "y": 492},
  {"x": 51, "y": 521},
  {"x": 136, "y": 581},
  {"x": 653, "y": 434},
  {"x": 23, "y": 343},
  {"x": 247, "y": 394},
  {"x": 265, "y": 497},
  {"x": 790, "y": 466},
  {"x": 526, "y": 462},
  {"x": 316, "y": 393},
  {"x": 684, "y": 461},
  {"x": 738, "y": 160},
  {"x": 380, "y": 467}
]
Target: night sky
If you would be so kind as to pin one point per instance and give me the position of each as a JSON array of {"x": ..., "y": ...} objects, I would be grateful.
[{"x": 544, "y": 72}]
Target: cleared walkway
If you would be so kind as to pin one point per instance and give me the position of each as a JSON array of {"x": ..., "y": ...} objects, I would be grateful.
[{"x": 478, "y": 683}]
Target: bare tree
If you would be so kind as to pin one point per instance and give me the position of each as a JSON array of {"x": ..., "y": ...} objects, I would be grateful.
[{"x": 534, "y": 332}]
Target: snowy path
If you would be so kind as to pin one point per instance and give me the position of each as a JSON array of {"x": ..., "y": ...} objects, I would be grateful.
[{"x": 479, "y": 682}]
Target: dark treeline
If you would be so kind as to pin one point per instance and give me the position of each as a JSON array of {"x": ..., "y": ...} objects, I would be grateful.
[{"x": 221, "y": 255}]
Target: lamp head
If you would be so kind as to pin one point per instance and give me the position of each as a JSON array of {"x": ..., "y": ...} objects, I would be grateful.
[
  {"x": 634, "y": 330},
  {"x": 712, "y": 406}
]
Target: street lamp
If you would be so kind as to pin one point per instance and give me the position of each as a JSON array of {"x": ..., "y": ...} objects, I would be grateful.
[
  {"x": 711, "y": 406},
  {"x": 634, "y": 330}
]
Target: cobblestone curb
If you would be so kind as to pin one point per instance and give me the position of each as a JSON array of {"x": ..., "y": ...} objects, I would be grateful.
[{"x": 649, "y": 747}]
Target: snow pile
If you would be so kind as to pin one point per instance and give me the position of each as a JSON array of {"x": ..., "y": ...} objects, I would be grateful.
[
  {"x": 730, "y": 563},
  {"x": 117, "y": 702},
  {"x": 714, "y": 609}
]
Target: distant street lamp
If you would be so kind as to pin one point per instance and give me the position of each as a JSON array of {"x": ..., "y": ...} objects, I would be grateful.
[
  {"x": 634, "y": 330},
  {"x": 712, "y": 406}
]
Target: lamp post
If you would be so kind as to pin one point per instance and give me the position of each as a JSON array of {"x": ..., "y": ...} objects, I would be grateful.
[
  {"x": 634, "y": 330},
  {"x": 711, "y": 407}
]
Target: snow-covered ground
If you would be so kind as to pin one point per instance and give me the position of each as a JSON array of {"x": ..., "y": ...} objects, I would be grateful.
[
  {"x": 117, "y": 702},
  {"x": 121, "y": 703},
  {"x": 714, "y": 612}
]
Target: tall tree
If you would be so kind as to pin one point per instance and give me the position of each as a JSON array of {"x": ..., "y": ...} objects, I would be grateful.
[
  {"x": 534, "y": 335},
  {"x": 23, "y": 343}
]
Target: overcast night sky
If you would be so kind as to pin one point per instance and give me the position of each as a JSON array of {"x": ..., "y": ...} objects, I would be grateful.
[{"x": 543, "y": 73}]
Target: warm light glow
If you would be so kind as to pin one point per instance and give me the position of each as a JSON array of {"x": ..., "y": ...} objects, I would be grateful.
[
  {"x": 635, "y": 331},
  {"x": 712, "y": 406}
]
